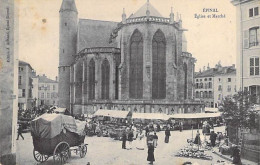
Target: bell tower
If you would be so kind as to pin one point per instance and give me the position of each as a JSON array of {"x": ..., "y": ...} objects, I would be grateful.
[{"x": 67, "y": 48}]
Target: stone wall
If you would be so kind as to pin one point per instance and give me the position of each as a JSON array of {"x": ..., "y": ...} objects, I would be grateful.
[{"x": 8, "y": 81}]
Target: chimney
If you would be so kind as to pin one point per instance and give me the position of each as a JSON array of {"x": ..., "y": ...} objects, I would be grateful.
[
  {"x": 208, "y": 67},
  {"x": 204, "y": 68},
  {"x": 233, "y": 66},
  {"x": 56, "y": 78}
]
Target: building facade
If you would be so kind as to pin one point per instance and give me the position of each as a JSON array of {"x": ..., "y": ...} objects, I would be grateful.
[
  {"x": 248, "y": 46},
  {"x": 139, "y": 64},
  {"x": 47, "y": 91},
  {"x": 214, "y": 84},
  {"x": 25, "y": 85}
]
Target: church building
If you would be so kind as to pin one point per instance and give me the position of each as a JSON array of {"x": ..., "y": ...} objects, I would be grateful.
[{"x": 139, "y": 64}]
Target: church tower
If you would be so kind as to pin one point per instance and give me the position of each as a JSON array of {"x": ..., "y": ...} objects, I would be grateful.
[{"x": 67, "y": 48}]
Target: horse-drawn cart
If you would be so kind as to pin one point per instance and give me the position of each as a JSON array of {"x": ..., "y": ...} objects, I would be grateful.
[{"x": 57, "y": 135}]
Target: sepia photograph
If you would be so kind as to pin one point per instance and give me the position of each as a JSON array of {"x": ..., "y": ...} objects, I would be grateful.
[{"x": 129, "y": 82}]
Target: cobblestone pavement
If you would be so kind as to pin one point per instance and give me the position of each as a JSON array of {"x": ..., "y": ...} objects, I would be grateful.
[{"x": 106, "y": 151}]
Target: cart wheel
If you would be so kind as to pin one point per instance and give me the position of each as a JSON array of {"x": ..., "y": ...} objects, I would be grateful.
[
  {"x": 39, "y": 157},
  {"x": 83, "y": 151},
  {"x": 61, "y": 153}
]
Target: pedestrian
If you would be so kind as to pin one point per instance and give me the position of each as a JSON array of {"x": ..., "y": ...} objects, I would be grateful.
[
  {"x": 146, "y": 131},
  {"x": 213, "y": 137},
  {"x": 155, "y": 139},
  {"x": 124, "y": 140},
  {"x": 167, "y": 135},
  {"x": 150, "y": 156},
  {"x": 140, "y": 142},
  {"x": 236, "y": 155},
  {"x": 130, "y": 138},
  {"x": 181, "y": 126},
  {"x": 197, "y": 138},
  {"x": 20, "y": 129}
]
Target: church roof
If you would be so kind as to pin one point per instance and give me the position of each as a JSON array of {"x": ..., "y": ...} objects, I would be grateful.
[
  {"x": 68, "y": 5},
  {"x": 95, "y": 33},
  {"x": 142, "y": 11}
]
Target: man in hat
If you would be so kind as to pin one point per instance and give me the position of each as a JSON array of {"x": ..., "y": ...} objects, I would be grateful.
[{"x": 20, "y": 129}]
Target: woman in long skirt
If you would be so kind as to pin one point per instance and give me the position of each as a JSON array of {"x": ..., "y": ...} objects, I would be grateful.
[
  {"x": 140, "y": 142},
  {"x": 150, "y": 156}
]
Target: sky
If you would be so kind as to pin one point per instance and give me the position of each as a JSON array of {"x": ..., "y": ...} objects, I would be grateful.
[{"x": 210, "y": 40}]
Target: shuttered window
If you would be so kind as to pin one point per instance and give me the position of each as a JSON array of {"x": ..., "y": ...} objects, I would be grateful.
[
  {"x": 136, "y": 66},
  {"x": 254, "y": 66},
  {"x": 253, "y": 36},
  {"x": 159, "y": 66}
]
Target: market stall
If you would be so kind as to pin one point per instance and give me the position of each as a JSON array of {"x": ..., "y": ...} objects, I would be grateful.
[
  {"x": 112, "y": 122},
  {"x": 159, "y": 120},
  {"x": 193, "y": 119}
]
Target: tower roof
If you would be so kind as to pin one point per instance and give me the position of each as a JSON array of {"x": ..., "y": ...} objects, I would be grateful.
[
  {"x": 142, "y": 11},
  {"x": 68, "y": 5}
]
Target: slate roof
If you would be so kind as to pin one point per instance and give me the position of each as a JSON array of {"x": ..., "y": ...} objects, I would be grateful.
[
  {"x": 44, "y": 79},
  {"x": 95, "y": 33},
  {"x": 68, "y": 5},
  {"x": 25, "y": 63},
  {"x": 142, "y": 11},
  {"x": 217, "y": 71}
]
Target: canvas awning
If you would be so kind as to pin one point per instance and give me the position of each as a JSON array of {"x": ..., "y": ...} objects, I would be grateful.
[
  {"x": 60, "y": 110},
  {"x": 195, "y": 115},
  {"x": 211, "y": 110},
  {"x": 50, "y": 125},
  {"x": 151, "y": 116},
  {"x": 112, "y": 113}
]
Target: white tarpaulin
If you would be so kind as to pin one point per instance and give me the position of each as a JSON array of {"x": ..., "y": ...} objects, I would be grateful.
[
  {"x": 195, "y": 115},
  {"x": 152, "y": 116},
  {"x": 112, "y": 113},
  {"x": 211, "y": 110},
  {"x": 60, "y": 110}
]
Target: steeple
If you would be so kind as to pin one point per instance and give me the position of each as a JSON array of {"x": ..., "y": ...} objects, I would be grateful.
[
  {"x": 171, "y": 16},
  {"x": 68, "y": 5},
  {"x": 123, "y": 16},
  {"x": 148, "y": 9}
]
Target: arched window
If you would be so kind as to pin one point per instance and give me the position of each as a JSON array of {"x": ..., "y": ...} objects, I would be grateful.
[
  {"x": 159, "y": 66},
  {"x": 78, "y": 82},
  {"x": 185, "y": 69},
  {"x": 136, "y": 66},
  {"x": 91, "y": 82},
  {"x": 105, "y": 79}
]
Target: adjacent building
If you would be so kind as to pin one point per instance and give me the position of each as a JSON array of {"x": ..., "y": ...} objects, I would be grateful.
[
  {"x": 47, "y": 91},
  {"x": 139, "y": 64},
  {"x": 248, "y": 46},
  {"x": 212, "y": 85},
  {"x": 25, "y": 85}
]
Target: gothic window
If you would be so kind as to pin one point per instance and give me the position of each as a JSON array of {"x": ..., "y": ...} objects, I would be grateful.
[
  {"x": 105, "y": 79},
  {"x": 136, "y": 66},
  {"x": 78, "y": 82},
  {"x": 91, "y": 82},
  {"x": 185, "y": 80},
  {"x": 159, "y": 66},
  {"x": 175, "y": 53}
]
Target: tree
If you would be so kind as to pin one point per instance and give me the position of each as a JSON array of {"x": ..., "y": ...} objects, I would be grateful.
[{"x": 238, "y": 110}]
